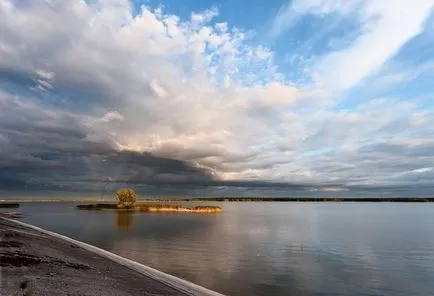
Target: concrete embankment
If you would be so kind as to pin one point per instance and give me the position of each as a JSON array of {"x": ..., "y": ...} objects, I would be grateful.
[{"x": 35, "y": 262}]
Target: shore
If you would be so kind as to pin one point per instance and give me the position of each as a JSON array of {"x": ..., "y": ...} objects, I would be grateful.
[
  {"x": 36, "y": 262},
  {"x": 230, "y": 199}
]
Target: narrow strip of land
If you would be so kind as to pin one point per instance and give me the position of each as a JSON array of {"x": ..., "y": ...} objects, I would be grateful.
[
  {"x": 34, "y": 263},
  {"x": 313, "y": 199},
  {"x": 13, "y": 202}
]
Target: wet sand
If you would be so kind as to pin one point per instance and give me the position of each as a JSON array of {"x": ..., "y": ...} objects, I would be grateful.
[{"x": 35, "y": 263}]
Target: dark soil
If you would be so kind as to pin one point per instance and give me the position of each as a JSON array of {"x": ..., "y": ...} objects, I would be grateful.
[{"x": 18, "y": 259}]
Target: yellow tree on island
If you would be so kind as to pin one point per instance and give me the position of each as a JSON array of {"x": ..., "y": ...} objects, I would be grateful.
[{"x": 126, "y": 198}]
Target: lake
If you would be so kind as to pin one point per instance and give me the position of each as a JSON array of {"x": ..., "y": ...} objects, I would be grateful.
[{"x": 269, "y": 248}]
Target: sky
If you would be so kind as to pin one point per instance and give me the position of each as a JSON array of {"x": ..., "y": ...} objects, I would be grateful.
[{"x": 314, "y": 96}]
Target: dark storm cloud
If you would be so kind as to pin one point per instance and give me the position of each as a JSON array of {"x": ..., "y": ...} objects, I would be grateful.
[
  {"x": 41, "y": 147},
  {"x": 51, "y": 169},
  {"x": 41, "y": 150},
  {"x": 135, "y": 167}
]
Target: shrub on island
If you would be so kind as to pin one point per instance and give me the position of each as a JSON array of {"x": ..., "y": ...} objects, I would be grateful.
[{"x": 126, "y": 198}]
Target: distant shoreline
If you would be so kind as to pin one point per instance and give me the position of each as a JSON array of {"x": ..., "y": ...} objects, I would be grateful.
[{"x": 233, "y": 199}]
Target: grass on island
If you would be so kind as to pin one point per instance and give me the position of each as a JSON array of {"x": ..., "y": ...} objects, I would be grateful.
[
  {"x": 127, "y": 201},
  {"x": 151, "y": 208}
]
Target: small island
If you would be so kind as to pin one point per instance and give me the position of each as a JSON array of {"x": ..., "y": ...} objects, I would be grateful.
[{"x": 127, "y": 201}]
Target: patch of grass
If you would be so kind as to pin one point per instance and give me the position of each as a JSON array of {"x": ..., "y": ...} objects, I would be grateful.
[
  {"x": 151, "y": 208},
  {"x": 207, "y": 209}
]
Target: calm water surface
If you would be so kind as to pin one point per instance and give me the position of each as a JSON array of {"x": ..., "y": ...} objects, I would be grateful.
[{"x": 269, "y": 248}]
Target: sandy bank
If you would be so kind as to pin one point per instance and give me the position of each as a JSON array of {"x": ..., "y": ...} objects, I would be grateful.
[
  {"x": 154, "y": 208},
  {"x": 38, "y": 262}
]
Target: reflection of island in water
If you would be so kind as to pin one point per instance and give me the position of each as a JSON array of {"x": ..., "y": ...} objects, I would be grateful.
[{"x": 124, "y": 220}]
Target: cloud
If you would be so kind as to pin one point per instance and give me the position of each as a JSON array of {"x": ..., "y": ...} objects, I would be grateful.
[
  {"x": 139, "y": 84},
  {"x": 92, "y": 92},
  {"x": 385, "y": 26},
  {"x": 285, "y": 18},
  {"x": 388, "y": 25},
  {"x": 292, "y": 12}
]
